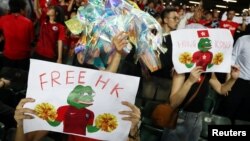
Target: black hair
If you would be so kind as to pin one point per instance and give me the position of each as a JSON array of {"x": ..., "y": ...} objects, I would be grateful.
[
  {"x": 59, "y": 17},
  {"x": 59, "y": 14},
  {"x": 166, "y": 11},
  {"x": 230, "y": 9},
  {"x": 17, "y": 5}
]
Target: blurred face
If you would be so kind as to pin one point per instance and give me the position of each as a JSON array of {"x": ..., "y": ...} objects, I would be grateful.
[
  {"x": 230, "y": 15},
  {"x": 51, "y": 12},
  {"x": 208, "y": 16},
  {"x": 198, "y": 13},
  {"x": 192, "y": 8},
  {"x": 172, "y": 20},
  {"x": 215, "y": 14},
  {"x": 151, "y": 5},
  {"x": 181, "y": 12}
]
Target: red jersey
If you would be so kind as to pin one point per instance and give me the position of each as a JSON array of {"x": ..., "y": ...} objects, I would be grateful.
[
  {"x": 50, "y": 34},
  {"x": 75, "y": 120},
  {"x": 232, "y": 26},
  {"x": 201, "y": 21},
  {"x": 18, "y": 33}
]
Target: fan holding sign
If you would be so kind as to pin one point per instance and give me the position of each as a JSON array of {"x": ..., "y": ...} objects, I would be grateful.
[{"x": 193, "y": 75}]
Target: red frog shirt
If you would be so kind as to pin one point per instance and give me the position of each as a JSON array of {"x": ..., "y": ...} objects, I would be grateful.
[{"x": 75, "y": 120}]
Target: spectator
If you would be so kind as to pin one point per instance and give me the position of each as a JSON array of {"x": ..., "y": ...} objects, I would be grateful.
[
  {"x": 18, "y": 35},
  {"x": 233, "y": 26},
  {"x": 170, "y": 20},
  {"x": 215, "y": 21},
  {"x": 74, "y": 5},
  {"x": 120, "y": 41},
  {"x": 150, "y": 8},
  {"x": 197, "y": 17},
  {"x": 184, "y": 86},
  {"x": 236, "y": 104},
  {"x": 52, "y": 35}
]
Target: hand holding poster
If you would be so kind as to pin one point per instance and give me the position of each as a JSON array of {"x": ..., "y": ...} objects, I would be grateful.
[
  {"x": 79, "y": 101},
  {"x": 209, "y": 48}
]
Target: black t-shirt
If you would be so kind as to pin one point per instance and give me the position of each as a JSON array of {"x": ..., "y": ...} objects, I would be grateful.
[
  {"x": 166, "y": 59},
  {"x": 197, "y": 104}
]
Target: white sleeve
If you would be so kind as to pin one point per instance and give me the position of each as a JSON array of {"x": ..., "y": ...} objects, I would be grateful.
[{"x": 236, "y": 51}]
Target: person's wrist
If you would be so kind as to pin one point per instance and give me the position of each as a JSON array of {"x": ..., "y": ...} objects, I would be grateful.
[
  {"x": 19, "y": 125},
  {"x": 134, "y": 133}
]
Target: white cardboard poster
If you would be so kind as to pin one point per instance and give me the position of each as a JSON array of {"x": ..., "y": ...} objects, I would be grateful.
[
  {"x": 209, "y": 48},
  {"x": 79, "y": 101}
]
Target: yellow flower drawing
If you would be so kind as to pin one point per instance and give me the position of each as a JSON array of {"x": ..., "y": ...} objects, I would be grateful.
[
  {"x": 106, "y": 122},
  {"x": 185, "y": 58},
  {"x": 218, "y": 58},
  {"x": 46, "y": 111}
]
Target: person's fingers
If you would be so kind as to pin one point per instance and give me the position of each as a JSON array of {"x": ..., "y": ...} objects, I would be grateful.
[
  {"x": 128, "y": 118},
  {"x": 24, "y": 101},
  {"x": 27, "y": 110},
  {"x": 130, "y": 114},
  {"x": 25, "y": 117},
  {"x": 125, "y": 112},
  {"x": 120, "y": 35},
  {"x": 131, "y": 106}
]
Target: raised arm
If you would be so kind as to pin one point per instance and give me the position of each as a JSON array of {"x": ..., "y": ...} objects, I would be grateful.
[
  {"x": 243, "y": 25},
  {"x": 37, "y": 9},
  {"x": 180, "y": 87},
  {"x": 25, "y": 113},
  {"x": 70, "y": 5},
  {"x": 119, "y": 41},
  {"x": 223, "y": 89}
]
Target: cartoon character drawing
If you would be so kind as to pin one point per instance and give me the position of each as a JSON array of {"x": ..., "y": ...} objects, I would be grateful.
[
  {"x": 203, "y": 57},
  {"x": 76, "y": 117}
]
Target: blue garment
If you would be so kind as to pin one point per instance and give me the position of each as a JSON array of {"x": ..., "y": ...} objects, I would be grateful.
[{"x": 188, "y": 128}]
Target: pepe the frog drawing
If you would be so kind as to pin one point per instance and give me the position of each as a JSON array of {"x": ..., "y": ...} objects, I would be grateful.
[
  {"x": 203, "y": 57},
  {"x": 76, "y": 118}
]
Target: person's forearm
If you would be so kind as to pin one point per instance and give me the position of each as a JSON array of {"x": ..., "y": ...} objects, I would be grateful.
[
  {"x": 226, "y": 87},
  {"x": 177, "y": 98},
  {"x": 20, "y": 136},
  {"x": 60, "y": 50},
  {"x": 113, "y": 66},
  {"x": 70, "y": 5},
  {"x": 243, "y": 26},
  {"x": 134, "y": 135},
  {"x": 37, "y": 9}
]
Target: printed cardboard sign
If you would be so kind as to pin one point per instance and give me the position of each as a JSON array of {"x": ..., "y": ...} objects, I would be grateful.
[
  {"x": 209, "y": 48},
  {"x": 79, "y": 101}
]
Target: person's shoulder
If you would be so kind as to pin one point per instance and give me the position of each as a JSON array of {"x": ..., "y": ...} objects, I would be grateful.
[
  {"x": 26, "y": 20},
  {"x": 4, "y": 17},
  {"x": 244, "y": 37}
]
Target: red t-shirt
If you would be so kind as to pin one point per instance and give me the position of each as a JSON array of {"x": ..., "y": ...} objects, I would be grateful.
[
  {"x": 232, "y": 26},
  {"x": 50, "y": 34},
  {"x": 18, "y": 33}
]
